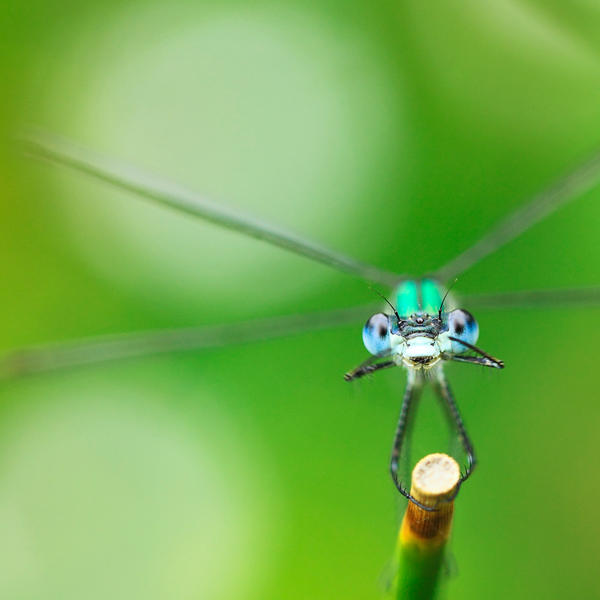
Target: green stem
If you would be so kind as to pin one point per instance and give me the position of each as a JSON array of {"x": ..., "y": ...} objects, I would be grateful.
[
  {"x": 424, "y": 533},
  {"x": 418, "y": 572}
]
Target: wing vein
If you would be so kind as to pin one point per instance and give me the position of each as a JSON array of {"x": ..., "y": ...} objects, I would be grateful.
[
  {"x": 583, "y": 178},
  {"x": 125, "y": 177},
  {"x": 99, "y": 349},
  {"x": 584, "y": 296}
]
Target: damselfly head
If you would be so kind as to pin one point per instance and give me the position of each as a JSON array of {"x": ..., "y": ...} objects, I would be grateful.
[
  {"x": 411, "y": 340},
  {"x": 419, "y": 348},
  {"x": 420, "y": 341}
]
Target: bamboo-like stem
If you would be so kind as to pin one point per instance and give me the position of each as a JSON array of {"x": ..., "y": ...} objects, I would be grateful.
[{"x": 423, "y": 534}]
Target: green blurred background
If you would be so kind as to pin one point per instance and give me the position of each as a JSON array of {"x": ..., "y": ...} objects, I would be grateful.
[{"x": 397, "y": 132}]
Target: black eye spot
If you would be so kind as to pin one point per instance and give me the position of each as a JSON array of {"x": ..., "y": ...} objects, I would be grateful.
[
  {"x": 461, "y": 320},
  {"x": 379, "y": 324}
]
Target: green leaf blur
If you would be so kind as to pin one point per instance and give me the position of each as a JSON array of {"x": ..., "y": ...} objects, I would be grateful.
[{"x": 397, "y": 132}]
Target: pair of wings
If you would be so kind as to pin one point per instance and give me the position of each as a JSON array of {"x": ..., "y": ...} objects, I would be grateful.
[{"x": 125, "y": 345}]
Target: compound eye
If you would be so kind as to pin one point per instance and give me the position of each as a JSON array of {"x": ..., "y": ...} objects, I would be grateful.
[
  {"x": 376, "y": 333},
  {"x": 462, "y": 325}
]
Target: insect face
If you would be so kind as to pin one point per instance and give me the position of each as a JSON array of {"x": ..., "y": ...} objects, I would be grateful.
[{"x": 419, "y": 347}]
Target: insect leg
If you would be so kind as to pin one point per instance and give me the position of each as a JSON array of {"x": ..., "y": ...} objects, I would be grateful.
[
  {"x": 446, "y": 395},
  {"x": 366, "y": 368},
  {"x": 475, "y": 360},
  {"x": 411, "y": 396},
  {"x": 496, "y": 362}
]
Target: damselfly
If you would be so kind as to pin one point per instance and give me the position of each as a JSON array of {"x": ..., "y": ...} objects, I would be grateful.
[{"x": 419, "y": 329}]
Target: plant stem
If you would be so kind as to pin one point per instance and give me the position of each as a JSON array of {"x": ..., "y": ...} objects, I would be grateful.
[{"x": 423, "y": 534}]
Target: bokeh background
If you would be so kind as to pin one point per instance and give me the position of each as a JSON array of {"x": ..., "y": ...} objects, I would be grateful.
[{"x": 397, "y": 132}]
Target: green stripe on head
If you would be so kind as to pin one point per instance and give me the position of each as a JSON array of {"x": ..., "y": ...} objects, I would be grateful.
[
  {"x": 424, "y": 296},
  {"x": 431, "y": 294},
  {"x": 407, "y": 298}
]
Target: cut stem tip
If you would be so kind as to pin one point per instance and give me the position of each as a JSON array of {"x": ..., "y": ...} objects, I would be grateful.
[
  {"x": 424, "y": 533},
  {"x": 435, "y": 478}
]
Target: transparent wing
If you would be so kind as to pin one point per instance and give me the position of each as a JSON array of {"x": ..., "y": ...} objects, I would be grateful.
[
  {"x": 87, "y": 351},
  {"x": 585, "y": 177},
  {"x": 557, "y": 298},
  {"x": 125, "y": 177}
]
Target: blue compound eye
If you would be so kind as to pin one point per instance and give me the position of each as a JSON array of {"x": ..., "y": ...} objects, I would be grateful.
[
  {"x": 376, "y": 333},
  {"x": 462, "y": 325}
]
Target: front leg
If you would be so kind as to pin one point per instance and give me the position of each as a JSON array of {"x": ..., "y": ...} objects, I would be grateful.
[
  {"x": 411, "y": 396},
  {"x": 447, "y": 397},
  {"x": 367, "y": 369}
]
